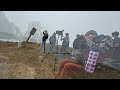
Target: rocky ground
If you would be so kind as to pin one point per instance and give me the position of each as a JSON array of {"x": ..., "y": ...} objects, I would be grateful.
[{"x": 25, "y": 63}]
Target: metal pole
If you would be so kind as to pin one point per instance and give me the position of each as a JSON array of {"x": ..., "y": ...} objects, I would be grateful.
[
  {"x": 44, "y": 57},
  {"x": 27, "y": 40}
]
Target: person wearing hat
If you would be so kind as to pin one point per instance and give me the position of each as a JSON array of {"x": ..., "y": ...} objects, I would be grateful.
[
  {"x": 89, "y": 36},
  {"x": 65, "y": 43},
  {"x": 93, "y": 32}
]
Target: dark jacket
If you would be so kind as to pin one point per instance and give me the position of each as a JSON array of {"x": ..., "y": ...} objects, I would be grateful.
[
  {"x": 79, "y": 43},
  {"x": 45, "y": 37}
]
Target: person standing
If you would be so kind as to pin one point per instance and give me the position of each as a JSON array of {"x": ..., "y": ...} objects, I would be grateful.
[
  {"x": 65, "y": 43},
  {"x": 116, "y": 45},
  {"x": 52, "y": 42},
  {"x": 45, "y": 37}
]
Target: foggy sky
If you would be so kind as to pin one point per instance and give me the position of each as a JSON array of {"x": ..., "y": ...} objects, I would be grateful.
[{"x": 73, "y": 22}]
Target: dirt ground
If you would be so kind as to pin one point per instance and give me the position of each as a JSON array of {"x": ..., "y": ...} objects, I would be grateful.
[{"x": 25, "y": 63}]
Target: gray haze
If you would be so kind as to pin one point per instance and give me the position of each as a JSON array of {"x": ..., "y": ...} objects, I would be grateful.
[
  {"x": 8, "y": 30},
  {"x": 7, "y": 26},
  {"x": 73, "y": 22}
]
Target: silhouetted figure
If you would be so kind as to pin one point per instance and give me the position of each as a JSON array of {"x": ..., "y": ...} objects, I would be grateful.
[{"x": 45, "y": 37}]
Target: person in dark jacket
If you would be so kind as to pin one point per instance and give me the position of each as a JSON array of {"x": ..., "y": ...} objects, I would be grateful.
[
  {"x": 45, "y": 37},
  {"x": 79, "y": 44}
]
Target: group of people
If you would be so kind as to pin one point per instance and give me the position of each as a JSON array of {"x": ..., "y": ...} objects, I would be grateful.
[
  {"x": 53, "y": 41},
  {"x": 104, "y": 45}
]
